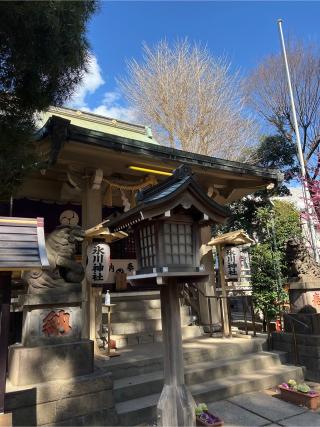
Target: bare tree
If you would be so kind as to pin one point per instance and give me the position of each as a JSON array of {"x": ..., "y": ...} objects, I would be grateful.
[
  {"x": 267, "y": 92},
  {"x": 191, "y": 100}
]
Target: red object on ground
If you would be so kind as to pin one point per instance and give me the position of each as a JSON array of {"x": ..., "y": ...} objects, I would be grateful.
[
  {"x": 113, "y": 344},
  {"x": 278, "y": 326}
]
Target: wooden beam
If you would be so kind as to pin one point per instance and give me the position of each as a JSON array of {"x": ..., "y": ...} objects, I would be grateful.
[{"x": 226, "y": 327}]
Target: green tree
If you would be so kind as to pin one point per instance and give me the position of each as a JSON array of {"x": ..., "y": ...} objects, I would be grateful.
[
  {"x": 276, "y": 224},
  {"x": 273, "y": 151},
  {"x": 44, "y": 52}
]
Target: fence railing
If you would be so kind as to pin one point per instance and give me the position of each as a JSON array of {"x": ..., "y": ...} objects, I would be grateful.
[{"x": 192, "y": 290}]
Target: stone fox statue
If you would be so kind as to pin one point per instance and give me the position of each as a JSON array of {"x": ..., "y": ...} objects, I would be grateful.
[
  {"x": 300, "y": 263},
  {"x": 64, "y": 269}
]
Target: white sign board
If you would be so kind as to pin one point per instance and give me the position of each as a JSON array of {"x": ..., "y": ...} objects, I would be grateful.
[{"x": 128, "y": 266}]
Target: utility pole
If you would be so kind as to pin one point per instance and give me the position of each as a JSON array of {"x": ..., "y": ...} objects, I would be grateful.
[{"x": 305, "y": 189}]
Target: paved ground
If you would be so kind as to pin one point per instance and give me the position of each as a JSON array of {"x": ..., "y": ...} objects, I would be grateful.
[{"x": 262, "y": 409}]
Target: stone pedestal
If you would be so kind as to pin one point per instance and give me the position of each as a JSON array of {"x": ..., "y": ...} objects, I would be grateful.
[
  {"x": 176, "y": 406},
  {"x": 52, "y": 348},
  {"x": 304, "y": 296},
  {"x": 304, "y": 299},
  {"x": 30, "y": 365}
]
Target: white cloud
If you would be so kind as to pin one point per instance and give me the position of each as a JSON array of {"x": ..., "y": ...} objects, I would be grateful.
[
  {"x": 112, "y": 104},
  {"x": 91, "y": 81},
  {"x": 112, "y": 107}
]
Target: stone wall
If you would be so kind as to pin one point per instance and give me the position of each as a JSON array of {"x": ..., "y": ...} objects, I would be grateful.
[
  {"x": 308, "y": 351},
  {"x": 82, "y": 401}
]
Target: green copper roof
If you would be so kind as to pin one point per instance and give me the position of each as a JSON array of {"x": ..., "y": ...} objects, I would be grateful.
[{"x": 102, "y": 124}]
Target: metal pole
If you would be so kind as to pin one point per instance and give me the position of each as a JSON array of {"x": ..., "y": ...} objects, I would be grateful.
[{"x": 305, "y": 188}]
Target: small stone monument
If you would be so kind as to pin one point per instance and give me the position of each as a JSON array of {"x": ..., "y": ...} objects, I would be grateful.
[
  {"x": 166, "y": 223},
  {"x": 52, "y": 317}
]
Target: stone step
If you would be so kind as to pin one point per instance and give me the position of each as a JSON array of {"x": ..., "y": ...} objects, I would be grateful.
[
  {"x": 136, "y": 326},
  {"x": 143, "y": 409},
  {"x": 134, "y": 305},
  {"x": 138, "y": 386},
  {"x": 142, "y": 325},
  {"x": 151, "y": 336},
  {"x": 146, "y": 358},
  {"x": 134, "y": 295},
  {"x": 128, "y": 316},
  {"x": 150, "y": 313}
]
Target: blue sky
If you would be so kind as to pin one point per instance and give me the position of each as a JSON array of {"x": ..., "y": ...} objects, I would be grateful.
[{"x": 243, "y": 31}]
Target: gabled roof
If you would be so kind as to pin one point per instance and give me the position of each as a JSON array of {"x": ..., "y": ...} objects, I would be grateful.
[
  {"x": 235, "y": 238},
  {"x": 136, "y": 146},
  {"x": 180, "y": 189},
  {"x": 66, "y": 148}
]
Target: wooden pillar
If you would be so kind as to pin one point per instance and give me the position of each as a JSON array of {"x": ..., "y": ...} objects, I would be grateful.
[
  {"x": 208, "y": 288},
  {"x": 91, "y": 216},
  {"x": 224, "y": 305},
  {"x": 176, "y": 406},
  {"x": 5, "y": 299}
]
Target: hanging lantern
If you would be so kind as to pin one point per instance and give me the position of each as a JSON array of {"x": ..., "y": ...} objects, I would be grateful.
[{"x": 98, "y": 262}]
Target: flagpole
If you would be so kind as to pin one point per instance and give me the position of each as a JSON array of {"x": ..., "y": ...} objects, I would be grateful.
[{"x": 305, "y": 188}]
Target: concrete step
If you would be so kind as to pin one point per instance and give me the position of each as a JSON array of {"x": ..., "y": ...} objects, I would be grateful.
[
  {"x": 149, "y": 313},
  {"x": 128, "y": 316},
  {"x": 143, "y": 409},
  {"x": 142, "y": 325},
  {"x": 150, "y": 336},
  {"x": 136, "y": 326},
  {"x": 138, "y": 386},
  {"x": 134, "y": 295},
  {"x": 136, "y": 305},
  {"x": 146, "y": 358}
]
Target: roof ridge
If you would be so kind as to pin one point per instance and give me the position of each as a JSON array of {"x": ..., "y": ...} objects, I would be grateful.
[{"x": 111, "y": 121}]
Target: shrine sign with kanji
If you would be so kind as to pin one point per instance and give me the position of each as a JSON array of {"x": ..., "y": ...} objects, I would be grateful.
[{"x": 98, "y": 263}]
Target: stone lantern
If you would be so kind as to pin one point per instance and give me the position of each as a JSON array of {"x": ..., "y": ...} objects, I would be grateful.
[{"x": 166, "y": 223}]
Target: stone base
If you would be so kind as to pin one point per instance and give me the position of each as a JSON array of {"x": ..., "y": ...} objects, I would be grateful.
[
  {"x": 83, "y": 401},
  {"x": 304, "y": 296},
  {"x": 176, "y": 407},
  {"x": 51, "y": 317},
  {"x": 308, "y": 351},
  {"x": 29, "y": 365}
]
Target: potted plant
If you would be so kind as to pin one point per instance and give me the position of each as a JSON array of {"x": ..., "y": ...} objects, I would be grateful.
[
  {"x": 299, "y": 394},
  {"x": 205, "y": 418}
]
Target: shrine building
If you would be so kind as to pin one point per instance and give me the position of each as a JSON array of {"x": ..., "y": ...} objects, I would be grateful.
[{"x": 92, "y": 167}]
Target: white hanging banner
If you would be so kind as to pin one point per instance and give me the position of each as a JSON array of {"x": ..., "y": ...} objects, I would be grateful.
[{"x": 98, "y": 262}]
